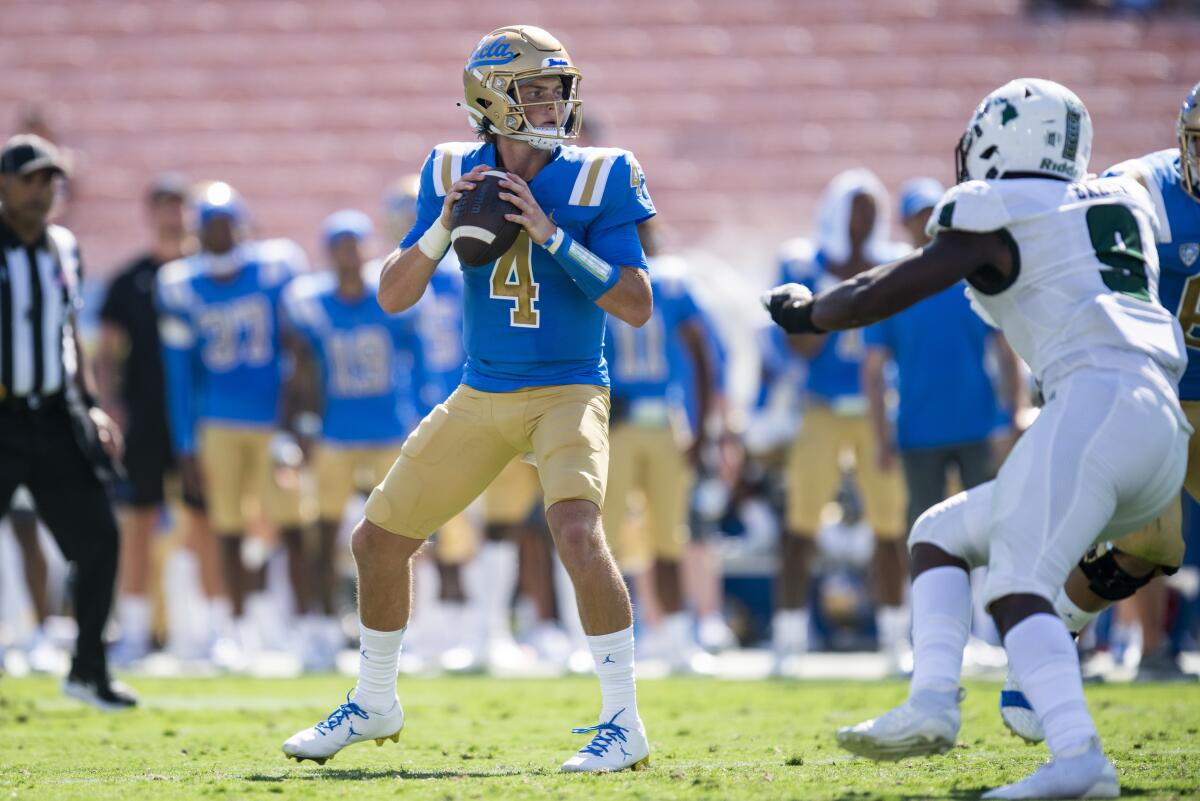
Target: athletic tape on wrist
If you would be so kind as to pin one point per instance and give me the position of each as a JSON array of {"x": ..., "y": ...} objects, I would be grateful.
[
  {"x": 435, "y": 241},
  {"x": 590, "y": 273}
]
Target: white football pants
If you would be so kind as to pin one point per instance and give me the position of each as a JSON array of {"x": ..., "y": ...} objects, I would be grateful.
[{"x": 1105, "y": 457}]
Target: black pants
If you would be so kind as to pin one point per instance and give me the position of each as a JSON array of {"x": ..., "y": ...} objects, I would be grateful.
[
  {"x": 926, "y": 477},
  {"x": 38, "y": 448}
]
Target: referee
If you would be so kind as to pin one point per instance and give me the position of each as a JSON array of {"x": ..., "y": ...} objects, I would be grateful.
[{"x": 53, "y": 438}]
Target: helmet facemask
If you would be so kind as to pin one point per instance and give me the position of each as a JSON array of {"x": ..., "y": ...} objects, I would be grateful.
[{"x": 1188, "y": 131}]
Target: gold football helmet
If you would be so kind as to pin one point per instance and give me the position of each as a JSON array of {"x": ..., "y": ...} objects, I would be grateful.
[
  {"x": 500, "y": 63},
  {"x": 1188, "y": 131}
]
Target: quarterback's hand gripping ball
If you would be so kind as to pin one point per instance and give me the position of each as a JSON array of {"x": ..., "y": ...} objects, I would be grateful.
[{"x": 478, "y": 229}]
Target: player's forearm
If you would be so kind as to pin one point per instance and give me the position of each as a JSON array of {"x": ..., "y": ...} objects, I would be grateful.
[
  {"x": 630, "y": 299},
  {"x": 404, "y": 278}
]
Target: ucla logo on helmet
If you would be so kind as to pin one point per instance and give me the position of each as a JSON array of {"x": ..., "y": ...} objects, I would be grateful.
[
  {"x": 1188, "y": 253},
  {"x": 491, "y": 54}
]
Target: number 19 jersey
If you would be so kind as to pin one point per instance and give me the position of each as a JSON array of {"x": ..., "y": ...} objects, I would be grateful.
[
  {"x": 1085, "y": 274},
  {"x": 526, "y": 323}
]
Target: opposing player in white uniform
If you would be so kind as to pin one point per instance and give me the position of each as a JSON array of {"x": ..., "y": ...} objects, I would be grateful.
[{"x": 1066, "y": 268}]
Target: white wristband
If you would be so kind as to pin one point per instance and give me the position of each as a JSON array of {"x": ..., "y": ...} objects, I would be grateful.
[
  {"x": 554, "y": 242},
  {"x": 435, "y": 241}
]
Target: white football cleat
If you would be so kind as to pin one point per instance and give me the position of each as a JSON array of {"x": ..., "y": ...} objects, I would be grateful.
[
  {"x": 346, "y": 725},
  {"x": 1017, "y": 713},
  {"x": 614, "y": 747},
  {"x": 1087, "y": 774},
  {"x": 911, "y": 729}
]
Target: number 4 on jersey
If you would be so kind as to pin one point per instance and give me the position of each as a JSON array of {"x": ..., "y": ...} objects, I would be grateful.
[{"x": 512, "y": 280}]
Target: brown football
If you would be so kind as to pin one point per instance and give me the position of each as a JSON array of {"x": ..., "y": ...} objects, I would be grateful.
[{"x": 477, "y": 226}]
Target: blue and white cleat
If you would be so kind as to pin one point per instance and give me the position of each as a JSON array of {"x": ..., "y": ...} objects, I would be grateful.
[
  {"x": 346, "y": 725},
  {"x": 911, "y": 729},
  {"x": 1017, "y": 713},
  {"x": 613, "y": 747},
  {"x": 1085, "y": 774}
]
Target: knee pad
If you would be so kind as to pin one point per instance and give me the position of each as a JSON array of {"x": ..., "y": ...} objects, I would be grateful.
[{"x": 1106, "y": 577}]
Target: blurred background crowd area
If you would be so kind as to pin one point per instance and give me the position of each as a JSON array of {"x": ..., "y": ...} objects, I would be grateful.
[{"x": 740, "y": 113}]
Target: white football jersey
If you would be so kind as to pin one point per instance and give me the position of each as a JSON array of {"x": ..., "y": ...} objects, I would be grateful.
[{"x": 1086, "y": 267}]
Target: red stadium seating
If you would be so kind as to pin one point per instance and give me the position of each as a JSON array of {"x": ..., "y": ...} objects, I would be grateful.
[{"x": 740, "y": 112}]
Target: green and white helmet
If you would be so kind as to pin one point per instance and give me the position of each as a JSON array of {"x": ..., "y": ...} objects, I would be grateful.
[{"x": 1028, "y": 128}]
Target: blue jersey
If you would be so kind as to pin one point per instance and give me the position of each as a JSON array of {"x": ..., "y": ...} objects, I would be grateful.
[
  {"x": 525, "y": 322},
  {"x": 221, "y": 339},
  {"x": 647, "y": 362},
  {"x": 370, "y": 361},
  {"x": 833, "y": 373},
  {"x": 1178, "y": 216},
  {"x": 439, "y": 324},
  {"x": 939, "y": 346}
]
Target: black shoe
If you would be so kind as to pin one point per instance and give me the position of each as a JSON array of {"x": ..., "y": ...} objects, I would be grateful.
[{"x": 101, "y": 692}]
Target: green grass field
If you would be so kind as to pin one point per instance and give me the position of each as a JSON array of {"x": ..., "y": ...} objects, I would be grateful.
[{"x": 475, "y": 738}]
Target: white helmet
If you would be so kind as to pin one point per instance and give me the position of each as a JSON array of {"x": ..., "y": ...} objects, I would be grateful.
[{"x": 1028, "y": 128}]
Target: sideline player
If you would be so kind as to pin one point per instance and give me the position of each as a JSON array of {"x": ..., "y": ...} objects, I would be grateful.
[
  {"x": 359, "y": 369},
  {"x": 851, "y": 237},
  {"x": 1060, "y": 263},
  {"x": 131, "y": 385},
  {"x": 535, "y": 380},
  {"x": 650, "y": 448},
  {"x": 221, "y": 352}
]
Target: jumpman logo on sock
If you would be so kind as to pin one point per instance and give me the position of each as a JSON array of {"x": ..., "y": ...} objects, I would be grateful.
[{"x": 608, "y": 660}]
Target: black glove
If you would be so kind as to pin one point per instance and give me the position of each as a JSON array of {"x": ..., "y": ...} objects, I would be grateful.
[{"x": 791, "y": 307}]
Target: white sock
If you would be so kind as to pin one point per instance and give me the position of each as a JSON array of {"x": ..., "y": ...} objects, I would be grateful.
[
  {"x": 1074, "y": 617},
  {"x": 613, "y": 654},
  {"x": 133, "y": 613},
  {"x": 1042, "y": 656},
  {"x": 891, "y": 623},
  {"x": 789, "y": 629},
  {"x": 941, "y": 624},
  {"x": 498, "y": 561},
  {"x": 379, "y": 660}
]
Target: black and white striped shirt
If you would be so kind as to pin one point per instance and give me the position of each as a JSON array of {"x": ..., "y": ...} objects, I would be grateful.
[{"x": 39, "y": 286}]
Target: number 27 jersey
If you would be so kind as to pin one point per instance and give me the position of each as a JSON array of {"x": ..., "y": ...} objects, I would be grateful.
[
  {"x": 1085, "y": 270},
  {"x": 525, "y": 322}
]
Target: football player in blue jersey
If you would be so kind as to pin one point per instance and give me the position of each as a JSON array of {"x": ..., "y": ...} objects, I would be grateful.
[
  {"x": 219, "y": 326},
  {"x": 361, "y": 370},
  {"x": 851, "y": 237},
  {"x": 653, "y": 451},
  {"x": 535, "y": 380}
]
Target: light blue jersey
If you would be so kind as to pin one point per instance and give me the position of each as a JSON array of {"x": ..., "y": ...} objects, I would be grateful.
[
  {"x": 439, "y": 324},
  {"x": 525, "y": 322},
  {"x": 833, "y": 373},
  {"x": 649, "y": 362},
  {"x": 1178, "y": 216},
  {"x": 221, "y": 338},
  {"x": 371, "y": 362}
]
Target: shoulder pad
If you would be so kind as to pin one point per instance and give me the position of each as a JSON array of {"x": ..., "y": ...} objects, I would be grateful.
[
  {"x": 975, "y": 206},
  {"x": 797, "y": 259},
  {"x": 279, "y": 260},
  {"x": 447, "y": 166},
  {"x": 175, "y": 282},
  {"x": 595, "y": 166},
  {"x": 302, "y": 300}
]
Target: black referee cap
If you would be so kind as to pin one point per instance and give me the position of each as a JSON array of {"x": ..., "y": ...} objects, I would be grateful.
[{"x": 27, "y": 153}]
